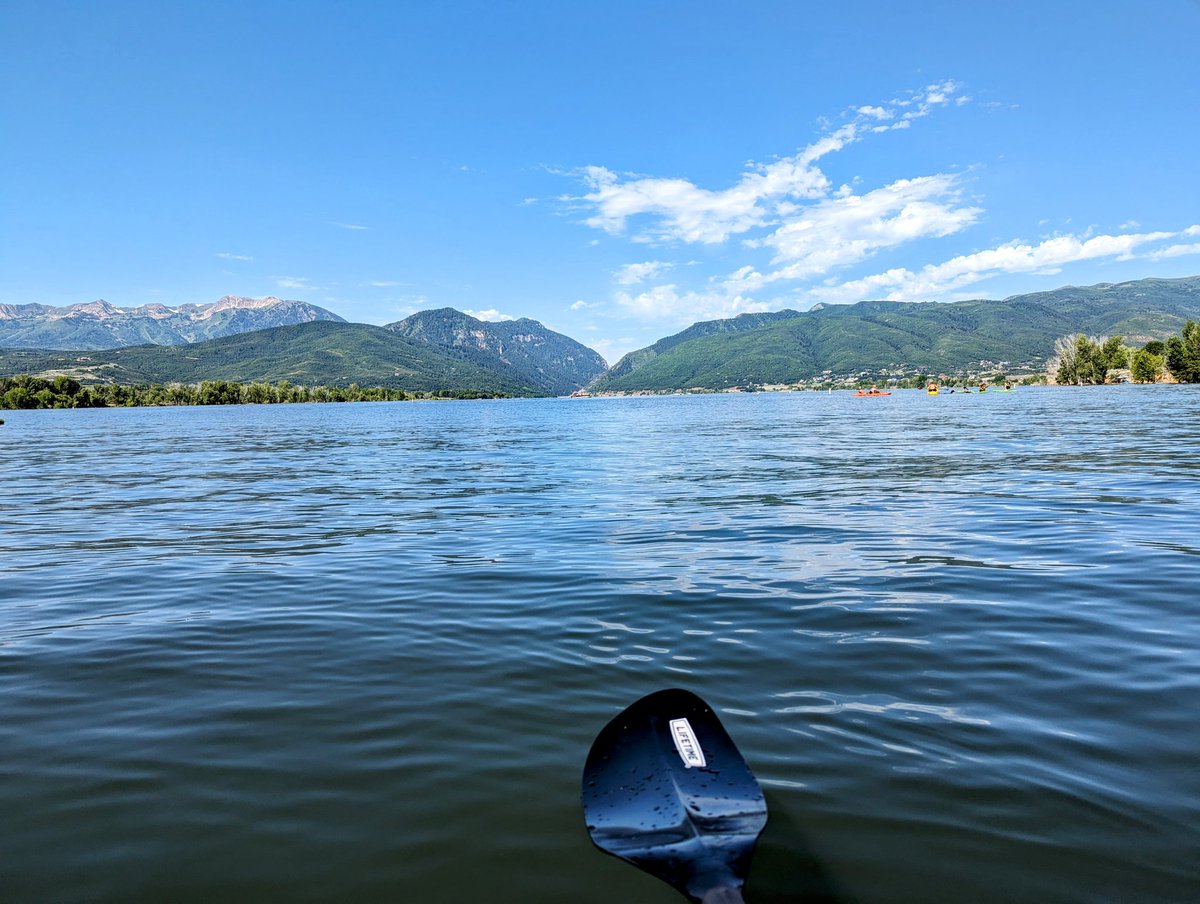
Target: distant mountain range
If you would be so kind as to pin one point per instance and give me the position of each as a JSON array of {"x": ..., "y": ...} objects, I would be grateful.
[
  {"x": 101, "y": 325},
  {"x": 879, "y": 336},
  {"x": 430, "y": 351},
  {"x": 448, "y": 350}
]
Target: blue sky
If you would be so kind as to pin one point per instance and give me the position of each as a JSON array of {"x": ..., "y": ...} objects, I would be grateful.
[{"x": 614, "y": 170}]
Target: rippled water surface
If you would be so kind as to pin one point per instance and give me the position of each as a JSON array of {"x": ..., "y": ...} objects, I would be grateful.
[{"x": 359, "y": 652}]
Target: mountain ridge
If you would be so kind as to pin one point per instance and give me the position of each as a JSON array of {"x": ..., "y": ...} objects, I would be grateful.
[
  {"x": 100, "y": 325},
  {"x": 322, "y": 352},
  {"x": 880, "y": 336},
  {"x": 539, "y": 355}
]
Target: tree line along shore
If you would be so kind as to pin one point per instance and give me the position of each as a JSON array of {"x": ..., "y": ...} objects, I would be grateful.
[{"x": 28, "y": 392}]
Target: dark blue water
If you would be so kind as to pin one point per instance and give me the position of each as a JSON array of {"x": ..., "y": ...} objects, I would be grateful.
[{"x": 359, "y": 652}]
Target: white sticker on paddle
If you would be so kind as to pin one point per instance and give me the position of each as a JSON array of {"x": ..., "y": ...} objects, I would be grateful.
[{"x": 686, "y": 744}]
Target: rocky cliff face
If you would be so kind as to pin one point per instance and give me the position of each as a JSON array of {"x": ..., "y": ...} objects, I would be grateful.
[
  {"x": 102, "y": 325},
  {"x": 551, "y": 361}
]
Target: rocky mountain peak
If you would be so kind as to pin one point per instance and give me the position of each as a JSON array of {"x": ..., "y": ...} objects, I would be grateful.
[
  {"x": 102, "y": 325},
  {"x": 98, "y": 308}
]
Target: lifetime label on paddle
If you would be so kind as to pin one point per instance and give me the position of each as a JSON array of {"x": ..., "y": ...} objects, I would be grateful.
[{"x": 687, "y": 744}]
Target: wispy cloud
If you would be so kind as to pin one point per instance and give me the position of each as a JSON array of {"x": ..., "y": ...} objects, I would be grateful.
[
  {"x": 1174, "y": 251},
  {"x": 353, "y": 226},
  {"x": 1047, "y": 257},
  {"x": 1180, "y": 249},
  {"x": 633, "y": 274},
  {"x": 581, "y": 305},
  {"x": 849, "y": 228},
  {"x": 612, "y": 349},
  {"x": 669, "y": 303},
  {"x": 679, "y": 210},
  {"x": 406, "y": 307},
  {"x": 385, "y": 284},
  {"x": 293, "y": 282},
  {"x": 227, "y": 256}
]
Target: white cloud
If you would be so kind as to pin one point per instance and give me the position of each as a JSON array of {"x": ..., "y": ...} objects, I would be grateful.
[
  {"x": 680, "y": 210},
  {"x": 668, "y": 303},
  {"x": 847, "y": 229},
  {"x": 1174, "y": 251},
  {"x": 581, "y": 305},
  {"x": 352, "y": 226},
  {"x": 226, "y": 256},
  {"x": 1047, "y": 257},
  {"x": 633, "y": 274},
  {"x": 385, "y": 284},
  {"x": 293, "y": 282},
  {"x": 490, "y": 314},
  {"x": 931, "y": 96},
  {"x": 406, "y": 307},
  {"x": 875, "y": 112},
  {"x": 612, "y": 350},
  {"x": 685, "y": 211}
]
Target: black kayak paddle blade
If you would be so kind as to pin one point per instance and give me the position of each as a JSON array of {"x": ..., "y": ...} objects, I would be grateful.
[{"x": 665, "y": 788}]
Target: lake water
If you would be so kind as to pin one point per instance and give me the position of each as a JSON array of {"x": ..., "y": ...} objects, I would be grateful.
[{"x": 359, "y": 652}]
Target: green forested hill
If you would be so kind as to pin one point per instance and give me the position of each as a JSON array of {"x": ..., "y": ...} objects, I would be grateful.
[
  {"x": 318, "y": 353},
  {"x": 875, "y": 336},
  {"x": 555, "y": 363}
]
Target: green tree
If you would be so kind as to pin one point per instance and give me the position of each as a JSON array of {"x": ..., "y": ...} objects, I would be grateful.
[
  {"x": 66, "y": 386},
  {"x": 219, "y": 392},
  {"x": 1090, "y": 361},
  {"x": 256, "y": 394},
  {"x": 117, "y": 395},
  {"x": 1183, "y": 354},
  {"x": 178, "y": 394},
  {"x": 1145, "y": 367},
  {"x": 19, "y": 397},
  {"x": 1081, "y": 360},
  {"x": 1113, "y": 354}
]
